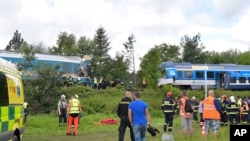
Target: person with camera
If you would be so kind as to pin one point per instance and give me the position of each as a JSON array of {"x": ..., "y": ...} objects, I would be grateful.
[{"x": 122, "y": 112}]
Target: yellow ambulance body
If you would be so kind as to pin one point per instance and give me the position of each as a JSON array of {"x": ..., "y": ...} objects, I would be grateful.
[{"x": 11, "y": 103}]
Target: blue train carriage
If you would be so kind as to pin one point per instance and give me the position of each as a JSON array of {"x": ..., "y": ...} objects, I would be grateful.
[
  {"x": 192, "y": 76},
  {"x": 69, "y": 65}
]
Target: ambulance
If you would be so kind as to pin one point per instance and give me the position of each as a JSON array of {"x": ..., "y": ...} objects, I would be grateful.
[{"x": 11, "y": 103}]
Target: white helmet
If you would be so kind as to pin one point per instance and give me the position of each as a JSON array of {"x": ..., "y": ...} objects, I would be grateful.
[
  {"x": 76, "y": 96},
  {"x": 232, "y": 99}
]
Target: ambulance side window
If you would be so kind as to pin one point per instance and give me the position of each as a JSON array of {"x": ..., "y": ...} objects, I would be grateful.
[{"x": 4, "y": 100}]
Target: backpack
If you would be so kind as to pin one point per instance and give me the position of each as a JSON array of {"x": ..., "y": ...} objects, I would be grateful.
[{"x": 188, "y": 106}]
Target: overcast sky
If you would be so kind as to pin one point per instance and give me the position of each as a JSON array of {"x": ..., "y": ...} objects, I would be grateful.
[{"x": 222, "y": 24}]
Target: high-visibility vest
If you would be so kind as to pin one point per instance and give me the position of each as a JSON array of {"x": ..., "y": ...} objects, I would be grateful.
[
  {"x": 209, "y": 109},
  {"x": 25, "y": 105},
  {"x": 74, "y": 109},
  {"x": 95, "y": 80}
]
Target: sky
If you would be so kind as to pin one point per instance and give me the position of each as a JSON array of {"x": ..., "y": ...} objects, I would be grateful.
[{"x": 222, "y": 24}]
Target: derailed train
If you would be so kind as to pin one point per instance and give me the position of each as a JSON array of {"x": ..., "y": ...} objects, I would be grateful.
[{"x": 76, "y": 67}]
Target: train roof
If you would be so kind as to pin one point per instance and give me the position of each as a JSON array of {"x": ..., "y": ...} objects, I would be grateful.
[
  {"x": 187, "y": 65},
  {"x": 49, "y": 57}
]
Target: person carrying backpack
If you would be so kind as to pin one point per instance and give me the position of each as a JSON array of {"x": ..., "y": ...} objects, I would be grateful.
[{"x": 186, "y": 113}]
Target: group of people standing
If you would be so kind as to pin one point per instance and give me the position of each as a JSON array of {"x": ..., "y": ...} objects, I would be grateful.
[
  {"x": 69, "y": 113},
  {"x": 188, "y": 110},
  {"x": 214, "y": 112}
]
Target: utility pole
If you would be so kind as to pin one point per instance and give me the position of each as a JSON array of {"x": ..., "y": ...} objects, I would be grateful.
[{"x": 134, "y": 67}]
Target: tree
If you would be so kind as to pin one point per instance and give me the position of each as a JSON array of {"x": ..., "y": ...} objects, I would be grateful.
[
  {"x": 15, "y": 43},
  {"x": 66, "y": 44},
  {"x": 230, "y": 56},
  {"x": 129, "y": 55},
  {"x": 169, "y": 53},
  {"x": 214, "y": 58},
  {"x": 85, "y": 46},
  {"x": 100, "y": 54},
  {"x": 193, "y": 49},
  {"x": 244, "y": 58},
  {"x": 150, "y": 67},
  {"x": 117, "y": 68},
  {"x": 28, "y": 55}
]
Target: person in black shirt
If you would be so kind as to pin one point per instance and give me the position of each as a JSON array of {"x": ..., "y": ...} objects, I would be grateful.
[
  {"x": 122, "y": 112},
  {"x": 168, "y": 110}
]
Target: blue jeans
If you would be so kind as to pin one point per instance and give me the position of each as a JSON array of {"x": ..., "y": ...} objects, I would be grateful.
[{"x": 140, "y": 132}]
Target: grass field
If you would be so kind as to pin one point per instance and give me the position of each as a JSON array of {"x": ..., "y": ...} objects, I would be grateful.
[{"x": 45, "y": 128}]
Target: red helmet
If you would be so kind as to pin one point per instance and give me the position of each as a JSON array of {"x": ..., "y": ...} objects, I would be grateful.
[
  {"x": 169, "y": 93},
  {"x": 224, "y": 96}
]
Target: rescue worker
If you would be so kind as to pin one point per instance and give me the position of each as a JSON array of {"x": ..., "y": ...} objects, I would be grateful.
[
  {"x": 168, "y": 110},
  {"x": 122, "y": 113},
  {"x": 200, "y": 110},
  {"x": 233, "y": 111},
  {"x": 176, "y": 106},
  {"x": 25, "y": 107},
  {"x": 224, "y": 116},
  {"x": 73, "y": 112},
  {"x": 195, "y": 105},
  {"x": 95, "y": 83},
  {"x": 144, "y": 83},
  {"x": 245, "y": 108},
  {"x": 80, "y": 116},
  {"x": 238, "y": 101}
]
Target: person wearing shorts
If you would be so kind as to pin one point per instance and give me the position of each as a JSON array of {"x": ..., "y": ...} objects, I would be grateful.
[
  {"x": 213, "y": 125},
  {"x": 211, "y": 114},
  {"x": 186, "y": 118}
]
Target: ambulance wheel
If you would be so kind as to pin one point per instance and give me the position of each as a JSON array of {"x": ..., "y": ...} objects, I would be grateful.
[{"x": 15, "y": 138}]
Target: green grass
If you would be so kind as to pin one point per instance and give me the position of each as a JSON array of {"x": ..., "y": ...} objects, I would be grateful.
[{"x": 45, "y": 128}]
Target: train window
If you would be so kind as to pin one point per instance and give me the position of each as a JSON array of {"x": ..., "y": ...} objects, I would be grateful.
[
  {"x": 188, "y": 74},
  {"x": 242, "y": 79},
  {"x": 233, "y": 80},
  {"x": 199, "y": 74},
  {"x": 179, "y": 74},
  {"x": 210, "y": 74}
]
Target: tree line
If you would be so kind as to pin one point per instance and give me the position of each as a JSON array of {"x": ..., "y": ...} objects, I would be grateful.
[
  {"x": 190, "y": 49},
  {"x": 43, "y": 90}
]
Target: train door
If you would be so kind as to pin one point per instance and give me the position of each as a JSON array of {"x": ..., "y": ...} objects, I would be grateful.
[
  {"x": 226, "y": 80},
  {"x": 220, "y": 79}
]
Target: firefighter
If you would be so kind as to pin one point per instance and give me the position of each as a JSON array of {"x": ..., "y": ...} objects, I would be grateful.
[
  {"x": 73, "y": 112},
  {"x": 122, "y": 112},
  {"x": 168, "y": 110},
  {"x": 233, "y": 111},
  {"x": 195, "y": 105},
  {"x": 245, "y": 110},
  {"x": 25, "y": 107},
  {"x": 224, "y": 116}
]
